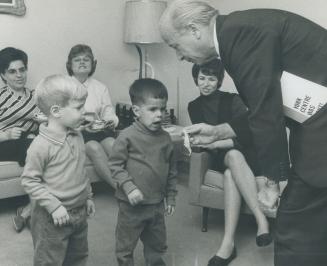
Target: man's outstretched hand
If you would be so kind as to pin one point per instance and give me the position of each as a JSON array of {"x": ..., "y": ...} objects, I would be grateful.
[{"x": 203, "y": 134}]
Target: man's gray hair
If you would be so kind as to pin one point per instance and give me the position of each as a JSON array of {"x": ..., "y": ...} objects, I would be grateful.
[{"x": 180, "y": 13}]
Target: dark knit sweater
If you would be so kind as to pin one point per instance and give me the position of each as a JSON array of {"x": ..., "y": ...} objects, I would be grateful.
[{"x": 144, "y": 159}]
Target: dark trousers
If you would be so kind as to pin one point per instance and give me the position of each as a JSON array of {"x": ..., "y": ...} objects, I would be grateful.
[
  {"x": 146, "y": 222},
  {"x": 54, "y": 245},
  {"x": 15, "y": 150},
  {"x": 301, "y": 225}
]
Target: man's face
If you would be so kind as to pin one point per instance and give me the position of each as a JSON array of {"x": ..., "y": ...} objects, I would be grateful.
[{"x": 190, "y": 46}]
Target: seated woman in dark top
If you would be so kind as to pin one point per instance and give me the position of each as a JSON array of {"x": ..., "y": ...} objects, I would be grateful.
[
  {"x": 235, "y": 158},
  {"x": 18, "y": 115}
]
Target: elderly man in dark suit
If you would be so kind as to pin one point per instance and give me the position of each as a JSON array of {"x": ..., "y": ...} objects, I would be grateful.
[{"x": 256, "y": 46}]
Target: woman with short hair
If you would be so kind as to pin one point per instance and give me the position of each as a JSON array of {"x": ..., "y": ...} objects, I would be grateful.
[{"x": 18, "y": 115}]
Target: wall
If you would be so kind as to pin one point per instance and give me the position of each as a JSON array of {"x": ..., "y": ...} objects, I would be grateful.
[{"x": 50, "y": 28}]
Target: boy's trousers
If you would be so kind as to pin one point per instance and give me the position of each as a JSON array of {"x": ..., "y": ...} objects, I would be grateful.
[
  {"x": 54, "y": 245},
  {"x": 146, "y": 222}
]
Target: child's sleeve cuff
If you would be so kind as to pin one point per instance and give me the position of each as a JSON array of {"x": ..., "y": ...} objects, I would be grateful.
[{"x": 128, "y": 187}]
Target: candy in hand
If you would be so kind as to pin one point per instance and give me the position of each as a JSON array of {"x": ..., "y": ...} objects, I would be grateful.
[{"x": 187, "y": 143}]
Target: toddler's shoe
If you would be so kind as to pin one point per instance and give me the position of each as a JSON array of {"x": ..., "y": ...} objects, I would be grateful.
[
  {"x": 263, "y": 240},
  {"x": 18, "y": 220}
]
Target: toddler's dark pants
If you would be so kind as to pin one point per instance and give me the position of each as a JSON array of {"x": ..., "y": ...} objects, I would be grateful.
[{"x": 146, "y": 222}]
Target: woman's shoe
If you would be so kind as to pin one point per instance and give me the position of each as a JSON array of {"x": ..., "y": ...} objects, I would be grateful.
[
  {"x": 263, "y": 240},
  {"x": 218, "y": 261}
]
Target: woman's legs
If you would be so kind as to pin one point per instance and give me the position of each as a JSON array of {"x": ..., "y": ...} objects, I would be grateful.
[
  {"x": 99, "y": 157},
  {"x": 232, "y": 201},
  {"x": 246, "y": 184},
  {"x": 107, "y": 144}
]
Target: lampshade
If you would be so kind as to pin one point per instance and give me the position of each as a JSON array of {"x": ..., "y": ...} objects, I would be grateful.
[{"x": 141, "y": 21}]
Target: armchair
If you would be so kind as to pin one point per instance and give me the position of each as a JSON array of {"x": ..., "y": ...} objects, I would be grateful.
[{"x": 206, "y": 187}]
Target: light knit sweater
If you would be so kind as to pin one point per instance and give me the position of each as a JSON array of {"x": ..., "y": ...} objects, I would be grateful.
[{"x": 54, "y": 173}]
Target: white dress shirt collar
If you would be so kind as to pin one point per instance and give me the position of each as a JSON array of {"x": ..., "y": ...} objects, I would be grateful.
[{"x": 215, "y": 40}]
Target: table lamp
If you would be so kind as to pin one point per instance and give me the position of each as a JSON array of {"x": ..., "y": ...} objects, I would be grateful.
[{"x": 141, "y": 26}]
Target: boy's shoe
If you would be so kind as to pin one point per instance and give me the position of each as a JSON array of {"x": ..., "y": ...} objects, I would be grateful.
[{"x": 18, "y": 220}]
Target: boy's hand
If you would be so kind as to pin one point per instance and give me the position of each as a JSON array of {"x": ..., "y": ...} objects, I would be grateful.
[
  {"x": 170, "y": 209},
  {"x": 90, "y": 208},
  {"x": 60, "y": 216},
  {"x": 135, "y": 197}
]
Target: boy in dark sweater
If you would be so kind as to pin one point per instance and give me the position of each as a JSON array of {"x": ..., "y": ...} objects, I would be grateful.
[{"x": 143, "y": 168}]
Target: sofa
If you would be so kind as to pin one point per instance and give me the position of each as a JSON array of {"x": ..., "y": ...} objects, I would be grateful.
[
  {"x": 206, "y": 187},
  {"x": 10, "y": 173}
]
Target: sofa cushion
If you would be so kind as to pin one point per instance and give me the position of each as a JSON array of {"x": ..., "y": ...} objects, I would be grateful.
[{"x": 10, "y": 169}]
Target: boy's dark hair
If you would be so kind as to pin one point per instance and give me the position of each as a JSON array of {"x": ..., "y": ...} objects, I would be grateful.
[
  {"x": 143, "y": 89},
  {"x": 212, "y": 68},
  {"x": 77, "y": 50},
  {"x": 10, "y": 54}
]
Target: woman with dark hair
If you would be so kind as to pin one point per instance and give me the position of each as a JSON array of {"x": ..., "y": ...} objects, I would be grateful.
[
  {"x": 235, "y": 158},
  {"x": 99, "y": 135},
  {"x": 18, "y": 111}
]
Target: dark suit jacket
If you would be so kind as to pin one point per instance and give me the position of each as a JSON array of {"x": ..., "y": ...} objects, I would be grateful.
[{"x": 256, "y": 46}]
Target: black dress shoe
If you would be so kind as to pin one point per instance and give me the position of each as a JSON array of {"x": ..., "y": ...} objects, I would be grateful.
[
  {"x": 263, "y": 240},
  {"x": 218, "y": 261}
]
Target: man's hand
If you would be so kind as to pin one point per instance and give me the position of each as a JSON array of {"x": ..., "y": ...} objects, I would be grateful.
[
  {"x": 60, "y": 216},
  {"x": 268, "y": 196},
  {"x": 202, "y": 134},
  {"x": 219, "y": 144},
  {"x": 135, "y": 197},
  {"x": 90, "y": 208},
  {"x": 170, "y": 209}
]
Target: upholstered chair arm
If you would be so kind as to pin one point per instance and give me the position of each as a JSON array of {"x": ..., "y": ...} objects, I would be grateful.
[{"x": 199, "y": 164}]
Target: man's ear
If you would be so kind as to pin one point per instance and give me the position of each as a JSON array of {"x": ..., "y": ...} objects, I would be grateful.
[
  {"x": 55, "y": 111},
  {"x": 195, "y": 30},
  {"x": 136, "y": 110}
]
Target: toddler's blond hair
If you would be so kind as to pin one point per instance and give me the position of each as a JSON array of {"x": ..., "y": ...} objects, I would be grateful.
[{"x": 58, "y": 90}]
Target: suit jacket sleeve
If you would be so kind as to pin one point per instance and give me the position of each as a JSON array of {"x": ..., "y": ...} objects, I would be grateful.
[
  {"x": 239, "y": 122},
  {"x": 252, "y": 58}
]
